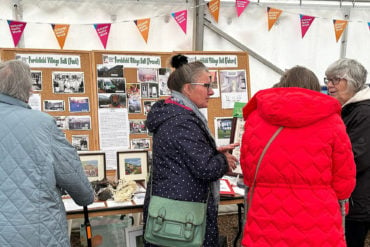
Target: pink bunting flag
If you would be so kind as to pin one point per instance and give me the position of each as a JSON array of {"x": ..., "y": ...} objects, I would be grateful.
[
  {"x": 240, "y": 6},
  {"x": 16, "y": 28},
  {"x": 103, "y": 32},
  {"x": 181, "y": 18},
  {"x": 306, "y": 22}
]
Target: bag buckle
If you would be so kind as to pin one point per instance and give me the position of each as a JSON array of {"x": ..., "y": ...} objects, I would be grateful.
[
  {"x": 158, "y": 223},
  {"x": 189, "y": 227}
]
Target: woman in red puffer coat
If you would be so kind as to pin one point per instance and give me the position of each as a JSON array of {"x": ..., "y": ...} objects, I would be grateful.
[{"x": 305, "y": 171}]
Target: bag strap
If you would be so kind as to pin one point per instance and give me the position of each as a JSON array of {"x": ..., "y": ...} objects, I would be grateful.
[{"x": 259, "y": 164}]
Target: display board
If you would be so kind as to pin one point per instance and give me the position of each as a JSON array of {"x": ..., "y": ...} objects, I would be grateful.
[
  {"x": 64, "y": 88},
  {"x": 75, "y": 86}
]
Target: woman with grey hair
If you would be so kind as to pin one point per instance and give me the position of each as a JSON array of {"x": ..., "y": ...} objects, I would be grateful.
[
  {"x": 346, "y": 80},
  {"x": 37, "y": 163}
]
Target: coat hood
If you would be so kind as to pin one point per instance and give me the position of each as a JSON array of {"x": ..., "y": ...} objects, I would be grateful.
[
  {"x": 164, "y": 110},
  {"x": 291, "y": 107}
]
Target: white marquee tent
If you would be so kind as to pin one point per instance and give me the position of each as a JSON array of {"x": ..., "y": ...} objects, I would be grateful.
[{"x": 270, "y": 51}]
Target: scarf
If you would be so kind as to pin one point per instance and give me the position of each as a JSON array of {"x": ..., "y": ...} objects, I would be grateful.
[{"x": 182, "y": 99}]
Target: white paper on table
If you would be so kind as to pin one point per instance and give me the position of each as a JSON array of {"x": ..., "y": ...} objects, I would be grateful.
[
  {"x": 111, "y": 203},
  {"x": 70, "y": 205},
  {"x": 139, "y": 198}
]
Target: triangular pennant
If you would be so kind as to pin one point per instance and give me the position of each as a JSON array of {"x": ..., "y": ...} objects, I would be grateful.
[
  {"x": 240, "y": 6},
  {"x": 273, "y": 15},
  {"x": 214, "y": 8},
  {"x": 368, "y": 25},
  {"x": 61, "y": 32},
  {"x": 306, "y": 22},
  {"x": 103, "y": 32},
  {"x": 181, "y": 18},
  {"x": 16, "y": 29},
  {"x": 143, "y": 26},
  {"x": 339, "y": 26}
]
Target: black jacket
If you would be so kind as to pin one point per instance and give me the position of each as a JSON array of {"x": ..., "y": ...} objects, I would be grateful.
[{"x": 356, "y": 116}]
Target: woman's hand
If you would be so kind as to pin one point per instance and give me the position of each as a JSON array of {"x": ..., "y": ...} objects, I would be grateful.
[{"x": 232, "y": 161}]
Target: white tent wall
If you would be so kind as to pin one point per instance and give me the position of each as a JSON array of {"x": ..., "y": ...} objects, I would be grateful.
[{"x": 283, "y": 45}]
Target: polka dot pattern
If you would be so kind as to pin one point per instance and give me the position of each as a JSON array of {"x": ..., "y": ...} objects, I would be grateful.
[{"x": 185, "y": 161}]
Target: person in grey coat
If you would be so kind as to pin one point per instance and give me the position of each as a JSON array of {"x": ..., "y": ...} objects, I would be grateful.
[{"x": 37, "y": 163}]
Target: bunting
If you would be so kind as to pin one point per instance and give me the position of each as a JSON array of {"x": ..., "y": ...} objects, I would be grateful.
[
  {"x": 181, "y": 17},
  {"x": 16, "y": 29},
  {"x": 339, "y": 26},
  {"x": 306, "y": 22},
  {"x": 61, "y": 32},
  {"x": 273, "y": 15},
  {"x": 143, "y": 26},
  {"x": 240, "y": 6},
  {"x": 214, "y": 9},
  {"x": 103, "y": 32}
]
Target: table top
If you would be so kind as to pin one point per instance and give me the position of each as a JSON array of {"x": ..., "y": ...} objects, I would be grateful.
[{"x": 105, "y": 208}]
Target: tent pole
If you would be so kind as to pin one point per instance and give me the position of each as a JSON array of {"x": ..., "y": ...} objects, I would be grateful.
[
  {"x": 17, "y": 16},
  {"x": 198, "y": 25},
  {"x": 343, "y": 46}
]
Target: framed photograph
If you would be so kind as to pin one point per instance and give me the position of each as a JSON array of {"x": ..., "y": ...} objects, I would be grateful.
[
  {"x": 93, "y": 164},
  {"x": 223, "y": 130},
  {"x": 137, "y": 126},
  {"x": 79, "y": 122},
  {"x": 112, "y": 100},
  {"x": 134, "y": 236},
  {"x": 225, "y": 188},
  {"x": 140, "y": 143},
  {"x": 132, "y": 165},
  {"x": 80, "y": 142},
  {"x": 147, "y": 74},
  {"x": 79, "y": 104},
  {"x": 215, "y": 83},
  {"x": 36, "y": 80},
  {"x": 54, "y": 105},
  {"x": 68, "y": 82}
]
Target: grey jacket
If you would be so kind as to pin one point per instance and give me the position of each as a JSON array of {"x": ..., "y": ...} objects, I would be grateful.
[{"x": 36, "y": 163}]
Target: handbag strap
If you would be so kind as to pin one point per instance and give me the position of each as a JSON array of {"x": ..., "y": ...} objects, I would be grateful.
[{"x": 259, "y": 164}]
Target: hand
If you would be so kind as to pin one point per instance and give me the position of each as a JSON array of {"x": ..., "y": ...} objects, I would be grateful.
[
  {"x": 232, "y": 161},
  {"x": 229, "y": 147}
]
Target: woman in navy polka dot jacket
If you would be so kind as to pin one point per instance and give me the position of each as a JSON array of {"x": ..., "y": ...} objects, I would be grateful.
[{"x": 186, "y": 162}]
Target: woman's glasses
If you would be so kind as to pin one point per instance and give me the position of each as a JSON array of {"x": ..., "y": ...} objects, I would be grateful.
[
  {"x": 206, "y": 85},
  {"x": 334, "y": 80}
]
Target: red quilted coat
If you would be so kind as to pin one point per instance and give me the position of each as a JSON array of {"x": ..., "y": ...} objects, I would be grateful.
[{"x": 306, "y": 170}]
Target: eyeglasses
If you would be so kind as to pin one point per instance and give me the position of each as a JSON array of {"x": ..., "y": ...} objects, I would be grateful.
[
  {"x": 334, "y": 80},
  {"x": 206, "y": 85}
]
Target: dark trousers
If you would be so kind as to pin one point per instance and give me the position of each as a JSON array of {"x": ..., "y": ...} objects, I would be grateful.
[{"x": 356, "y": 232}]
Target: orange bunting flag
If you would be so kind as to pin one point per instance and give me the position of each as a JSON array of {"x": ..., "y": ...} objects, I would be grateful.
[
  {"x": 214, "y": 8},
  {"x": 240, "y": 6},
  {"x": 181, "y": 18},
  {"x": 60, "y": 31},
  {"x": 143, "y": 26},
  {"x": 273, "y": 15},
  {"x": 339, "y": 26},
  {"x": 16, "y": 28},
  {"x": 306, "y": 22},
  {"x": 103, "y": 32}
]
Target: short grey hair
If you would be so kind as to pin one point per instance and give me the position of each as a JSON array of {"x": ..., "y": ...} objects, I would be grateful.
[
  {"x": 351, "y": 70},
  {"x": 15, "y": 79}
]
